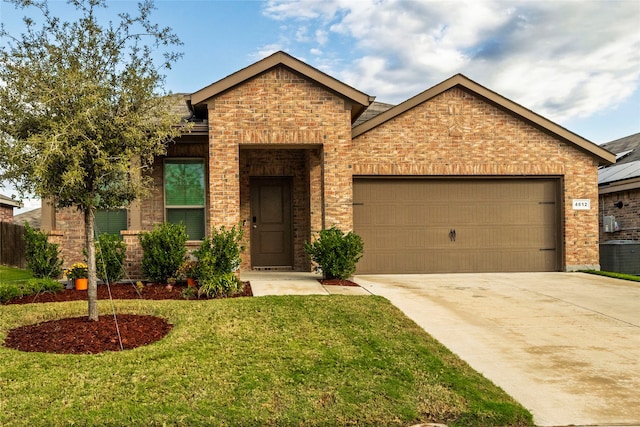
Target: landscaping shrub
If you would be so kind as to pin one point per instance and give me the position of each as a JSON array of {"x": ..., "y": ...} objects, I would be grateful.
[
  {"x": 335, "y": 253},
  {"x": 164, "y": 251},
  {"x": 9, "y": 291},
  {"x": 218, "y": 259},
  {"x": 110, "y": 254},
  {"x": 19, "y": 289},
  {"x": 43, "y": 257},
  {"x": 222, "y": 284}
]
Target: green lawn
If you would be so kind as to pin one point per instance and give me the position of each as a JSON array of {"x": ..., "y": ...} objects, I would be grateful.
[
  {"x": 10, "y": 274},
  {"x": 622, "y": 276},
  {"x": 263, "y": 361}
]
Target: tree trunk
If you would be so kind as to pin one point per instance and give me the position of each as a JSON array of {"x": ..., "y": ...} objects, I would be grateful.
[{"x": 91, "y": 264}]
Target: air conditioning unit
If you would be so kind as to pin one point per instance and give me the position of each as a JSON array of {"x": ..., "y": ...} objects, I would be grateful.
[{"x": 620, "y": 256}]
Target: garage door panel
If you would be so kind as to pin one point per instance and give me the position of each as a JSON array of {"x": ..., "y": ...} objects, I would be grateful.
[{"x": 500, "y": 225}]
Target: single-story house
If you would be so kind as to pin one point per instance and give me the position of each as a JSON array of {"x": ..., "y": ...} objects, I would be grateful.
[
  {"x": 7, "y": 204},
  {"x": 619, "y": 190},
  {"x": 456, "y": 179}
]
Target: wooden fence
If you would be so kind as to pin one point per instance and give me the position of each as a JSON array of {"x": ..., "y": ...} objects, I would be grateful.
[{"x": 12, "y": 245}]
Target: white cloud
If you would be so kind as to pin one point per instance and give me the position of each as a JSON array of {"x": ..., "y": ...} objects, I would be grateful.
[{"x": 563, "y": 59}]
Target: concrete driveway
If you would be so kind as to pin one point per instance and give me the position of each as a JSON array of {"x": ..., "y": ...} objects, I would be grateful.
[{"x": 565, "y": 345}]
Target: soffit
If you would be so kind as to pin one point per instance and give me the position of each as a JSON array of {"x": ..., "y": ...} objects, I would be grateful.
[
  {"x": 359, "y": 101},
  {"x": 603, "y": 156}
]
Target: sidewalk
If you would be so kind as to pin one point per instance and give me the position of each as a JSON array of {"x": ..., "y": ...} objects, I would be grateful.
[{"x": 294, "y": 283}]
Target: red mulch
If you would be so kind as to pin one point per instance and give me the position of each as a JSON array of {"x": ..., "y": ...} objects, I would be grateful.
[
  {"x": 118, "y": 291},
  {"x": 337, "y": 282},
  {"x": 79, "y": 335}
]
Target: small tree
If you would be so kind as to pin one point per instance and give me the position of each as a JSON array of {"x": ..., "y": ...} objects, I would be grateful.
[
  {"x": 335, "y": 253},
  {"x": 81, "y": 104}
]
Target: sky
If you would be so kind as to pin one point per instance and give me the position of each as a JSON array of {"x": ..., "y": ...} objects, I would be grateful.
[{"x": 575, "y": 62}]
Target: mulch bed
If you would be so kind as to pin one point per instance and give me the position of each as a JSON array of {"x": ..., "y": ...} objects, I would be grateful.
[
  {"x": 79, "y": 335},
  {"x": 118, "y": 291},
  {"x": 337, "y": 282}
]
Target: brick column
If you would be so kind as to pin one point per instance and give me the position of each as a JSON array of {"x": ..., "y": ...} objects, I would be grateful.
[
  {"x": 224, "y": 176},
  {"x": 133, "y": 256}
]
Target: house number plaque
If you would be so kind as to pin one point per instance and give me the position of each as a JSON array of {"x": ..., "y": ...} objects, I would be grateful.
[{"x": 581, "y": 204}]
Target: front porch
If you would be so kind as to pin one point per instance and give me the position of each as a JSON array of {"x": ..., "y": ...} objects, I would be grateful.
[{"x": 280, "y": 205}]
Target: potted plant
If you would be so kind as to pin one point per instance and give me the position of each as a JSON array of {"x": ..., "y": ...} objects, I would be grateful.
[
  {"x": 189, "y": 271},
  {"x": 78, "y": 272}
]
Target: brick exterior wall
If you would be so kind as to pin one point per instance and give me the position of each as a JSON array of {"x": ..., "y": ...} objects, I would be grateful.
[
  {"x": 6, "y": 213},
  {"x": 280, "y": 109},
  {"x": 281, "y": 124},
  {"x": 457, "y": 134},
  {"x": 69, "y": 222},
  {"x": 627, "y": 217}
]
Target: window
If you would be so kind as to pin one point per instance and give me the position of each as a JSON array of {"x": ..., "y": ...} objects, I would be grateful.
[
  {"x": 184, "y": 195},
  {"x": 110, "y": 221}
]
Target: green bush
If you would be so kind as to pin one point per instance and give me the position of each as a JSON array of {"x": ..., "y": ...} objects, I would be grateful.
[
  {"x": 19, "y": 289},
  {"x": 218, "y": 259},
  {"x": 43, "y": 257},
  {"x": 9, "y": 291},
  {"x": 110, "y": 254},
  {"x": 220, "y": 285},
  {"x": 164, "y": 251},
  {"x": 335, "y": 253},
  {"x": 38, "y": 286}
]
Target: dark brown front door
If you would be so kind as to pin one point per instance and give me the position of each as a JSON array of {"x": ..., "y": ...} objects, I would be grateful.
[{"x": 271, "y": 236}]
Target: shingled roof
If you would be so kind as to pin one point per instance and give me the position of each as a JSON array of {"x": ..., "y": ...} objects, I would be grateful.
[
  {"x": 627, "y": 166},
  {"x": 626, "y": 149}
]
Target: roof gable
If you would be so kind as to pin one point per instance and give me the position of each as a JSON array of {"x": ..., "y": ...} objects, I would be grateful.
[
  {"x": 459, "y": 80},
  {"x": 359, "y": 101}
]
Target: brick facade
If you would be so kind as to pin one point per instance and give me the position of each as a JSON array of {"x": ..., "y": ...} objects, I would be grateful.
[
  {"x": 458, "y": 134},
  {"x": 281, "y": 123},
  {"x": 626, "y": 216},
  {"x": 6, "y": 213}
]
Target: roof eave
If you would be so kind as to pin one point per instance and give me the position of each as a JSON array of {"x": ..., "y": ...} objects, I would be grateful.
[
  {"x": 604, "y": 157},
  {"x": 616, "y": 186}
]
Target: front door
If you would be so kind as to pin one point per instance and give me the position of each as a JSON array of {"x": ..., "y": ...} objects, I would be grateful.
[{"x": 271, "y": 235}]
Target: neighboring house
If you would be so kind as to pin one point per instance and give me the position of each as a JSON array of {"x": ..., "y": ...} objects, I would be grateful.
[
  {"x": 6, "y": 208},
  {"x": 31, "y": 217},
  {"x": 619, "y": 190},
  {"x": 455, "y": 179}
]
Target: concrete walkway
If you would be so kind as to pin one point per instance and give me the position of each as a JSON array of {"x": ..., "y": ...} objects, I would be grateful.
[
  {"x": 294, "y": 283},
  {"x": 565, "y": 345}
]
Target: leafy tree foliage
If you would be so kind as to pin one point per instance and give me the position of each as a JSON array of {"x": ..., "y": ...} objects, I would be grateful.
[{"x": 82, "y": 110}]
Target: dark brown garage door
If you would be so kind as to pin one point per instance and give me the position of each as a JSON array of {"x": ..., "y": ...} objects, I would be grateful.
[{"x": 457, "y": 225}]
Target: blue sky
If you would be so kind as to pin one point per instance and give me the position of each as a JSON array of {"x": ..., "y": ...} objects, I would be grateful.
[{"x": 575, "y": 62}]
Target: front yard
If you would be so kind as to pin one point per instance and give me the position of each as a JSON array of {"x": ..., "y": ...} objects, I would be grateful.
[{"x": 280, "y": 361}]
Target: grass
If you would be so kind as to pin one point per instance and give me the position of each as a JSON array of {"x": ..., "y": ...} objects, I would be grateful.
[
  {"x": 15, "y": 283},
  {"x": 10, "y": 274},
  {"x": 622, "y": 276},
  {"x": 267, "y": 361}
]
